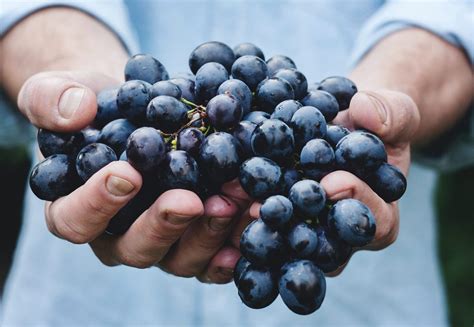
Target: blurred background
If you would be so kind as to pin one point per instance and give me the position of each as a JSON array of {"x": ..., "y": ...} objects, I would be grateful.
[{"x": 454, "y": 202}]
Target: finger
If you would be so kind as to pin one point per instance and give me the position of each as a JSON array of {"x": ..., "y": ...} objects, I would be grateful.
[
  {"x": 342, "y": 185},
  {"x": 221, "y": 268},
  {"x": 61, "y": 101},
  {"x": 151, "y": 236},
  {"x": 84, "y": 214},
  {"x": 234, "y": 191},
  {"x": 244, "y": 220},
  {"x": 203, "y": 239},
  {"x": 255, "y": 210}
]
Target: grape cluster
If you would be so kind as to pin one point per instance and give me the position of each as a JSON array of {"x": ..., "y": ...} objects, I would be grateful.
[{"x": 236, "y": 116}]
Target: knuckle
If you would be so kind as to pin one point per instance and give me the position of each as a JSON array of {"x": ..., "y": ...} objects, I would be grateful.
[
  {"x": 135, "y": 261},
  {"x": 72, "y": 232}
]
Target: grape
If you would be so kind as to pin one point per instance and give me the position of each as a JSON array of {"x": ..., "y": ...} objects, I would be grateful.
[
  {"x": 179, "y": 170},
  {"x": 335, "y": 133},
  {"x": 276, "y": 211},
  {"x": 240, "y": 91},
  {"x": 185, "y": 75},
  {"x": 165, "y": 88},
  {"x": 186, "y": 86},
  {"x": 271, "y": 92},
  {"x": 308, "y": 123},
  {"x": 240, "y": 266},
  {"x": 132, "y": 100},
  {"x": 303, "y": 240},
  {"x": 388, "y": 182},
  {"x": 273, "y": 139},
  {"x": 243, "y": 133},
  {"x": 296, "y": 79},
  {"x": 145, "y": 149},
  {"x": 167, "y": 113},
  {"x": 260, "y": 177},
  {"x": 59, "y": 143},
  {"x": 92, "y": 158},
  {"x": 262, "y": 246},
  {"x": 54, "y": 177},
  {"x": 290, "y": 177},
  {"x": 342, "y": 88},
  {"x": 285, "y": 110},
  {"x": 331, "y": 252},
  {"x": 324, "y": 101},
  {"x": 317, "y": 159},
  {"x": 190, "y": 140},
  {"x": 302, "y": 286},
  {"x": 107, "y": 109},
  {"x": 116, "y": 133},
  {"x": 257, "y": 287},
  {"x": 208, "y": 79},
  {"x": 220, "y": 157},
  {"x": 248, "y": 49},
  {"x": 224, "y": 111},
  {"x": 256, "y": 117},
  {"x": 308, "y": 198},
  {"x": 251, "y": 70},
  {"x": 145, "y": 68},
  {"x": 352, "y": 221},
  {"x": 91, "y": 135},
  {"x": 279, "y": 62},
  {"x": 213, "y": 51}
]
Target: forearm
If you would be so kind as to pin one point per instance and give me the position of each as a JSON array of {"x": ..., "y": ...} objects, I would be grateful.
[
  {"x": 434, "y": 73},
  {"x": 58, "y": 39}
]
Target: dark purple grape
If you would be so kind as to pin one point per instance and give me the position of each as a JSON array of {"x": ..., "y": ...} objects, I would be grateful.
[
  {"x": 308, "y": 123},
  {"x": 167, "y": 113},
  {"x": 317, "y": 159},
  {"x": 208, "y": 79},
  {"x": 342, "y": 88},
  {"x": 51, "y": 142},
  {"x": 276, "y": 211},
  {"x": 335, "y": 133},
  {"x": 324, "y": 101},
  {"x": 308, "y": 198},
  {"x": 179, "y": 171},
  {"x": 248, "y": 49},
  {"x": 296, "y": 79},
  {"x": 213, "y": 51},
  {"x": 91, "y": 135},
  {"x": 262, "y": 246},
  {"x": 145, "y": 68},
  {"x": 273, "y": 139},
  {"x": 290, "y": 177},
  {"x": 116, "y": 133},
  {"x": 285, "y": 110},
  {"x": 331, "y": 253},
  {"x": 243, "y": 133},
  {"x": 303, "y": 240},
  {"x": 251, "y": 70},
  {"x": 132, "y": 99},
  {"x": 107, "y": 109},
  {"x": 224, "y": 112},
  {"x": 240, "y": 91},
  {"x": 302, "y": 286},
  {"x": 256, "y": 117},
  {"x": 145, "y": 149},
  {"x": 257, "y": 287},
  {"x": 278, "y": 62},
  {"x": 352, "y": 221},
  {"x": 92, "y": 158},
  {"x": 186, "y": 86},
  {"x": 260, "y": 177},
  {"x": 165, "y": 88},
  {"x": 240, "y": 266},
  {"x": 388, "y": 182},
  {"x": 186, "y": 75},
  {"x": 190, "y": 140},
  {"x": 220, "y": 157},
  {"x": 54, "y": 177},
  {"x": 271, "y": 92}
]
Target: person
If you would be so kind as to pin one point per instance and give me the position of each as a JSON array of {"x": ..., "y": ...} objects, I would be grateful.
[{"x": 414, "y": 74}]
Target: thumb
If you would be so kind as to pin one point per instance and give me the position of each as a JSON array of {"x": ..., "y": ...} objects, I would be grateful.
[
  {"x": 62, "y": 101},
  {"x": 393, "y": 116}
]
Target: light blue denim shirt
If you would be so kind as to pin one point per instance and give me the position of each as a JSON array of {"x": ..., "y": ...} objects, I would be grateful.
[{"x": 53, "y": 282}]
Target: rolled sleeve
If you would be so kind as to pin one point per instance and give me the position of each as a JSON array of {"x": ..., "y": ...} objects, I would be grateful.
[
  {"x": 112, "y": 13},
  {"x": 453, "y": 21}
]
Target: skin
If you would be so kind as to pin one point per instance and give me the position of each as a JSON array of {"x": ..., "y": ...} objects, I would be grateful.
[{"x": 178, "y": 233}]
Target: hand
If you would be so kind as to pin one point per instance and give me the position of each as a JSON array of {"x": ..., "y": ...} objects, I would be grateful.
[
  {"x": 178, "y": 233},
  {"x": 394, "y": 117}
]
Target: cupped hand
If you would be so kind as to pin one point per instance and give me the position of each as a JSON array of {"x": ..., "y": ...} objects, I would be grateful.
[{"x": 178, "y": 233}]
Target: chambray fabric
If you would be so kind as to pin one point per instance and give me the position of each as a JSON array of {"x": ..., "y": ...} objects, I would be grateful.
[{"x": 55, "y": 283}]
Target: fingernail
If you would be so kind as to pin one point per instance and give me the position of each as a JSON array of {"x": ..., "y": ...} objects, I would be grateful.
[
  {"x": 70, "y": 101},
  {"x": 218, "y": 224},
  {"x": 228, "y": 272},
  {"x": 118, "y": 186},
  {"x": 342, "y": 195}
]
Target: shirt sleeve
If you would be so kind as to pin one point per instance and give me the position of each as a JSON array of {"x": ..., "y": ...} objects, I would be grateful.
[{"x": 112, "y": 13}]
